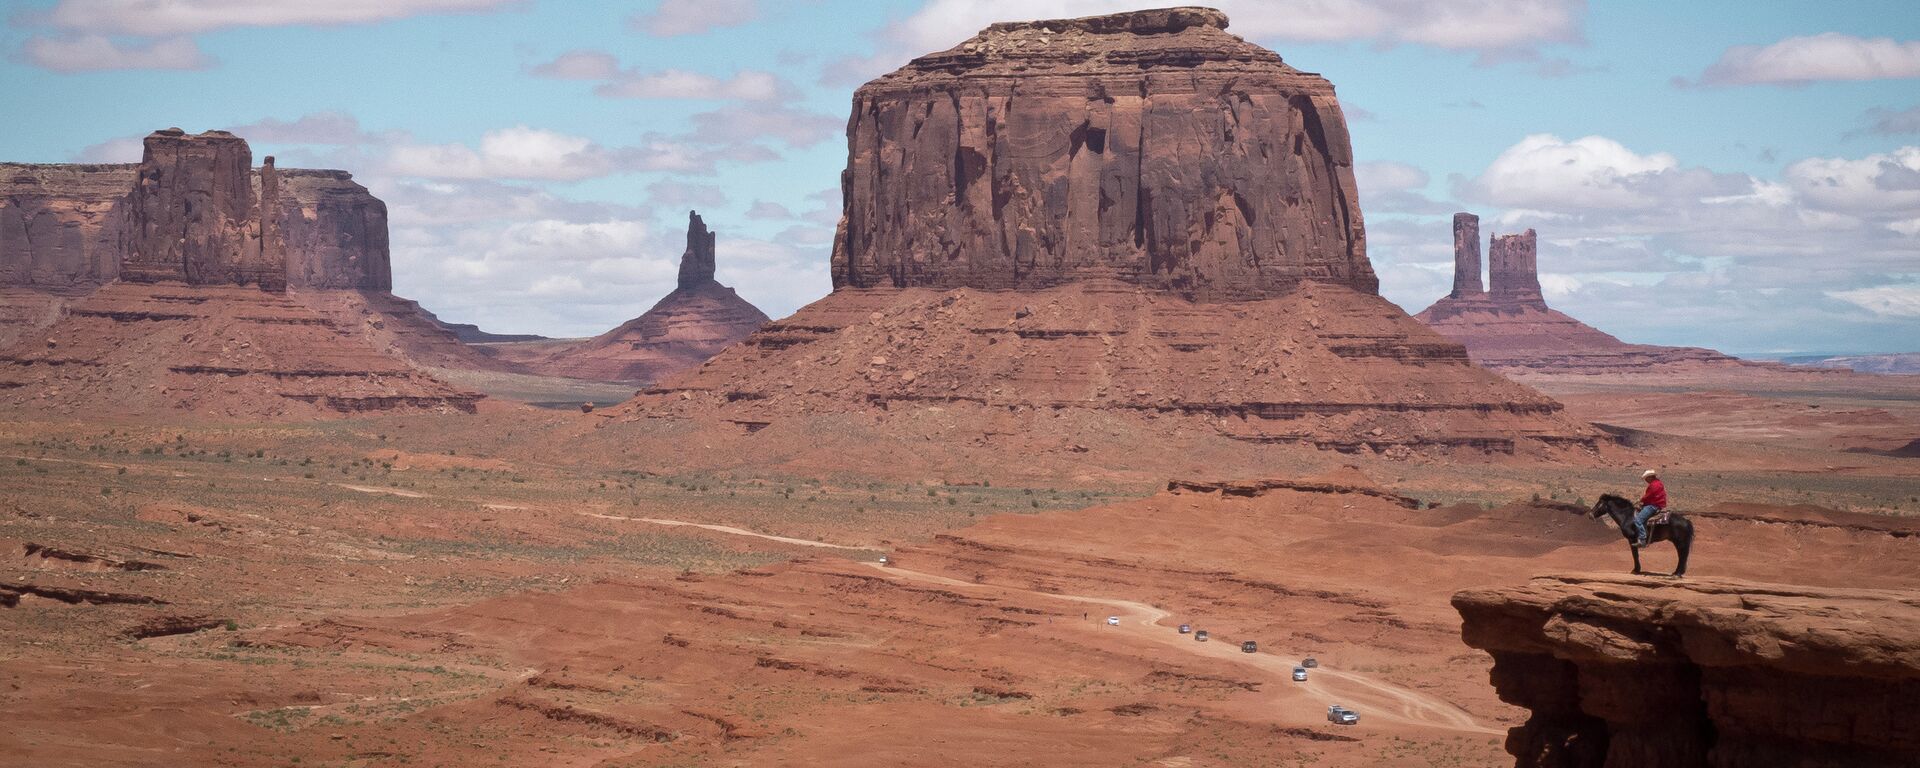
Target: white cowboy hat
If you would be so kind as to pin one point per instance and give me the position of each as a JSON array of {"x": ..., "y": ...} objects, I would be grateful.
[{"x": 1649, "y": 473}]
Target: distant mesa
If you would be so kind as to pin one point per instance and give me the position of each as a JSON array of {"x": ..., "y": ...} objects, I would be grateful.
[
  {"x": 1899, "y": 363},
  {"x": 193, "y": 280},
  {"x": 684, "y": 329},
  {"x": 1509, "y": 326},
  {"x": 1132, "y": 216}
]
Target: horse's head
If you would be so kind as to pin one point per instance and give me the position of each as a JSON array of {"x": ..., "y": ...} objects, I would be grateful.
[{"x": 1606, "y": 503}]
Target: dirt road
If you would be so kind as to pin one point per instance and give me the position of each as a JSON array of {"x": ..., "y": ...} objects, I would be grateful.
[{"x": 1287, "y": 702}]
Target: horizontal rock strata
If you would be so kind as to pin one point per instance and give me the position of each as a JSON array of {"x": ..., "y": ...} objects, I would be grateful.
[
  {"x": 217, "y": 350},
  {"x": 1323, "y": 366}
]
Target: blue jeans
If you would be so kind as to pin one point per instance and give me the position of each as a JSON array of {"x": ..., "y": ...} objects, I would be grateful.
[{"x": 1640, "y": 520}]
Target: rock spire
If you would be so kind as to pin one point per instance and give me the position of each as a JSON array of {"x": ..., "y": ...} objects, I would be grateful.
[
  {"x": 696, "y": 263},
  {"x": 1466, "y": 256}
]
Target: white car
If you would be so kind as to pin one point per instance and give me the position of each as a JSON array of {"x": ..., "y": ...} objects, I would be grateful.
[
  {"x": 1299, "y": 674},
  {"x": 1113, "y": 621},
  {"x": 1340, "y": 715}
]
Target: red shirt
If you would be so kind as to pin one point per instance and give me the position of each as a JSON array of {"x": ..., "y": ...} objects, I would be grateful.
[{"x": 1656, "y": 495}]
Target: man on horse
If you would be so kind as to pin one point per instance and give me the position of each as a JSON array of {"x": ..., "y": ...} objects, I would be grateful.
[{"x": 1653, "y": 502}]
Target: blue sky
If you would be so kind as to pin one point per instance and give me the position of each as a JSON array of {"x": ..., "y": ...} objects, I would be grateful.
[{"x": 1729, "y": 174}]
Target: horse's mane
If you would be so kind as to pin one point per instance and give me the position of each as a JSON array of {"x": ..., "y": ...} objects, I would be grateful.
[{"x": 1611, "y": 497}]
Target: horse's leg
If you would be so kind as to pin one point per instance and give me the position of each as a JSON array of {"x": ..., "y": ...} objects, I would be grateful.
[
  {"x": 1636, "y": 558},
  {"x": 1683, "y": 541}
]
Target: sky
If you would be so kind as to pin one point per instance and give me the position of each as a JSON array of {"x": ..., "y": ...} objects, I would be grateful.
[{"x": 1733, "y": 174}]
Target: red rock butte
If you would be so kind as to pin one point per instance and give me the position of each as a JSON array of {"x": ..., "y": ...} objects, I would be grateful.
[
  {"x": 1510, "y": 327},
  {"x": 193, "y": 280},
  {"x": 1152, "y": 147},
  {"x": 1138, "y": 215}
]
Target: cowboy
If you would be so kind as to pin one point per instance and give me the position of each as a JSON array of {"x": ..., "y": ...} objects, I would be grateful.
[{"x": 1653, "y": 502}]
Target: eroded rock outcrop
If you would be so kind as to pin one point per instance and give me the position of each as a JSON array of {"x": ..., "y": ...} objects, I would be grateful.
[
  {"x": 217, "y": 350},
  {"x": 196, "y": 250},
  {"x": 684, "y": 329},
  {"x": 1466, "y": 256},
  {"x": 1137, "y": 215},
  {"x": 195, "y": 211},
  {"x": 1151, "y": 147},
  {"x": 60, "y": 224},
  {"x": 1510, "y": 327},
  {"x": 194, "y": 216},
  {"x": 1621, "y": 670}
]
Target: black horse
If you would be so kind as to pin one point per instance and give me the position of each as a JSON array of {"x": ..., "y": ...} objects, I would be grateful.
[{"x": 1676, "y": 529}]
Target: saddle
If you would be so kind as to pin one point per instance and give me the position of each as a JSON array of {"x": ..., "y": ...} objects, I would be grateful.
[{"x": 1660, "y": 519}]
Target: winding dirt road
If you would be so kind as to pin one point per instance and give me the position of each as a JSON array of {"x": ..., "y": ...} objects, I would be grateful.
[
  {"x": 1288, "y": 702},
  {"x": 1291, "y": 703}
]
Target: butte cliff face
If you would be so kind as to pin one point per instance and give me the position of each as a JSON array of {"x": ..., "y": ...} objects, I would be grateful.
[
  {"x": 1509, "y": 326},
  {"x": 1151, "y": 147},
  {"x": 684, "y": 329},
  {"x": 193, "y": 211},
  {"x": 1134, "y": 216},
  {"x": 1727, "y": 674},
  {"x": 165, "y": 285}
]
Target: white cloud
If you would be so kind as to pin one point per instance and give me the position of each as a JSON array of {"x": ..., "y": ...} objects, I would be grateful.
[
  {"x": 1512, "y": 28},
  {"x": 96, "y": 53},
  {"x": 530, "y": 153},
  {"x": 1815, "y": 58},
  {"x": 314, "y": 128},
  {"x": 747, "y": 85},
  {"x": 765, "y": 210},
  {"x": 679, "y": 194},
  {"x": 1646, "y": 247},
  {"x": 1901, "y": 300},
  {"x": 161, "y": 18},
  {"x": 1875, "y": 183},
  {"x": 796, "y": 128},
  {"x": 1390, "y": 187},
  {"x": 580, "y": 65},
  {"x": 693, "y": 17},
  {"x": 121, "y": 150},
  {"x": 1389, "y": 175},
  {"x": 1543, "y": 170}
]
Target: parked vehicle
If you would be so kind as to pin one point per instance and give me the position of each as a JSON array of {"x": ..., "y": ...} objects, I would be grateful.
[
  {"x": 1299, "y": 674},
  {"x": 1310, "y": 663},
  {"x": 1339, "y": 715},
  {"x": 1249, "y": 647},
  {"x": 1200, "y": 635},
  {"x": 1113, "y": 621},
  {"x": 885, "y": 561},
  {"x": 1186, "y": 629}
]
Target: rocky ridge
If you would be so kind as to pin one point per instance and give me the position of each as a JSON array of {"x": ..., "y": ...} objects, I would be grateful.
[{"x": 1621, "y": 670}]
